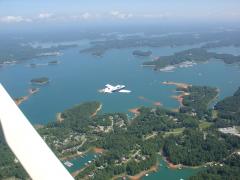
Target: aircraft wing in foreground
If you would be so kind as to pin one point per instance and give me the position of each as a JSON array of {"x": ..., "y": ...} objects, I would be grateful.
[{"x": 27, "y": 145}]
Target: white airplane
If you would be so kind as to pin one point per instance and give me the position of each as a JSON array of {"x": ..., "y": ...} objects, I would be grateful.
[{"x": 118, "y": 88}]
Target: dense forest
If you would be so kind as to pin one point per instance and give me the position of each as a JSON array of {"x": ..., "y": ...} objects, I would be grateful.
[
  {"x": 197, "y": 55},
  {"x": 229, "y": 110},
  {"x": 195, "y": 147},
  {"x": 131, "y": 145},
  {"x": 228, "y": 169},
  {"x": 198, "y": 100},
  {"x": 10, "y": 167},
  {"x": 78, "y": 117}
]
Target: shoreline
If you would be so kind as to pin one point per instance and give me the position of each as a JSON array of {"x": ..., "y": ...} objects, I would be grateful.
[
  {"x": 135, "y": 111},
  {"x": 180, "y": 97},
  {"x": 147, "y": 100},
  {"x": 170, "y": 164},
  {"x": 38, "y": 126},
  {"x": 71, "y": 156},
  {"x": 138, "y": 176},
  {"x": 77, "y": 172},
  {"x": 180, "y": 166},
  {"x": 97, "y": 110},
  {"x": 22, "y": 99},
  {"x": 59, "y": 118},
  {"x": 183, "y": 93},
  {"x": 33, "y": 90},
  {"x": 98, "y": 150},
  {"x": 215, "y": 98},
  {"x": 177, "y": 84},
  {"x": 40, "y": 83},
  {"x": 81, "y": 154}
]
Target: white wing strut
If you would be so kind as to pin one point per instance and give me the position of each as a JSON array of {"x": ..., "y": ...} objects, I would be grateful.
[{"x": 27, "y": 145}]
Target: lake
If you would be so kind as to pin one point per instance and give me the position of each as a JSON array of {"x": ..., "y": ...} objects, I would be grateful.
[
  {"x": 78, "y": 78},
  {"x": 81, "y": 162},
  {"x": 164, "y": 172}
]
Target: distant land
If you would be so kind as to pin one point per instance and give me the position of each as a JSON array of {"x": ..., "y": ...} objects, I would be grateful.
[
  {"x": 196, "y": 55},
  {"x": 14, "y": 52},
  {"x": 18, "y": 50},
  {"x": 205, "y": 39},
  {"x": 40, "y": 81},
  {"x": 53, "y": 62},
  {"x": 142, "y": 53},
  {"x": 201, "y": 133},
  {"x": 34, "y": 65}
]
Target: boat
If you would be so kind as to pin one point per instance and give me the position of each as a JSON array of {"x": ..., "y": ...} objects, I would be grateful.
[{"x": 68, "y": 164}]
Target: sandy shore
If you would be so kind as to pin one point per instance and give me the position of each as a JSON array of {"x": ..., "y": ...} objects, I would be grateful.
[
  {"x": 38, "y": 126},
  {"x": 171, "y": 165},
  {"x": 97, "y": 110},
  {"x": 175, "y": 110},
  {"x": 22, "y": 99},
  {"x": 143, "y": 173},
  {"x": 75, "y": 173},
  {"x": 179, "y": 85},
  {"x": 155, "y": 103},
  {"x": 59, "y": 117},
  {"x": 135, "y": 111},
  {"x": 98, "y": 150},
  {"x": 180, "y": 97}
]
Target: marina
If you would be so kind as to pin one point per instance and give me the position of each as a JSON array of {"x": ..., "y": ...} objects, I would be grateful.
[{"x": 68, "y": 164}]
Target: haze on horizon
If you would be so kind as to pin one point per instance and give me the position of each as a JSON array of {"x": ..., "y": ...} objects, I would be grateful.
[{"x": 29, "y": 12}]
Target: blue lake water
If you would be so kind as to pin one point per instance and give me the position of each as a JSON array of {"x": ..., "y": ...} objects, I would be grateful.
[
  {"x": 80, "y": 162},
  {"x": 79, "y": 76},
  {"x": 164, "y": 172}
]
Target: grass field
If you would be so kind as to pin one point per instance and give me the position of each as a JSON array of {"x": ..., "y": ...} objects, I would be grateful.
[
  {"x": 174, "y": 132},
  {"x": 204, "y": 125}
]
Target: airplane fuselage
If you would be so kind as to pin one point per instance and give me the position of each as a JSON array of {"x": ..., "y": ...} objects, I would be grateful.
[
  {"x": 110, "y": 89},
  {"x": 118, "y": 88}
]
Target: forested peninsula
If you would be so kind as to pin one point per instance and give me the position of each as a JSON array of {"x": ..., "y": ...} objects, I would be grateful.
[{"x": 129, "y": 146}]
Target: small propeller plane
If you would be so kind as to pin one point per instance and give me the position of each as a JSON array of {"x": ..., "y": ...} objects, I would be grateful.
[{"x": 118, "y": 88}]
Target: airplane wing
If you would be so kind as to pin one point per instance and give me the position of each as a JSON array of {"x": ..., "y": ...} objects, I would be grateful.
[
  {"x": 109, "y": 86},
  {"x": 107, "y": 91},
  {"x": 35, "y": 156},
  {"x": 124, "y": 91}
]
